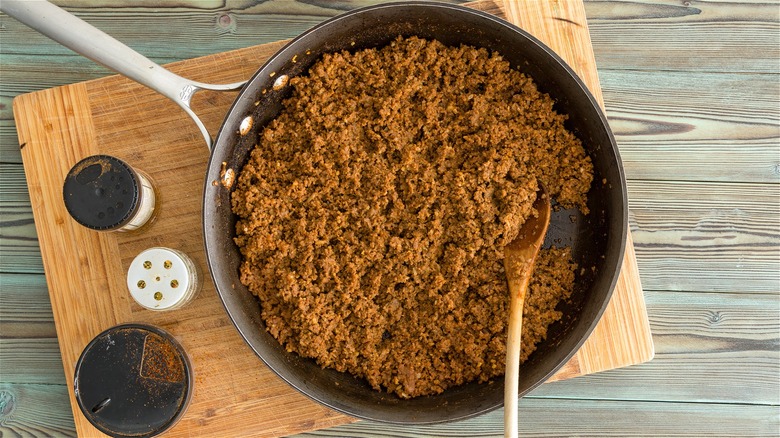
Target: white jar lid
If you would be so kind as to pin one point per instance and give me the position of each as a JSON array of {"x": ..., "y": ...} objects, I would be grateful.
[{"x": 162, "y": 279}]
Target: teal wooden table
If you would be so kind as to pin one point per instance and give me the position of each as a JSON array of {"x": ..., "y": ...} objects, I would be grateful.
[{"x": 692, "y": 92}]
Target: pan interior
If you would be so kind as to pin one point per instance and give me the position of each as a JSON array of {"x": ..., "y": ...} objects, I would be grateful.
[{"x": 597, "y": 240}]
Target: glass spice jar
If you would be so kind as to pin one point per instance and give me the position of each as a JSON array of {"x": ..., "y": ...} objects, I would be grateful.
[
  {"x": 104, "y": 193},
  {"x": 133, "y": 380},
  {"x": 163, "y": 279}
]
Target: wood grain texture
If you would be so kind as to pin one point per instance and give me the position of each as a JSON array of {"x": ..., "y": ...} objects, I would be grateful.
[
  {"x": 25, "y": 310},
  {"x": 699, "y": 36},
  {"x": 711, "y": 80},
  {"x": 28, "y": 410},
  {"x": 31, "y": 360},
  {"x": 675, "y": 126},
  {"x": 710, "y": 348},
  {"x": 715, "y": 237},
  {"x": 571, "y": 417},
  {"x": 18, "y": 236},
  {"x": 600, "y": 418}
]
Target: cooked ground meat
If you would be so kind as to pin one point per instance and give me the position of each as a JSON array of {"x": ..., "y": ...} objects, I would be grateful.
[{"x": 375, "y": 208}]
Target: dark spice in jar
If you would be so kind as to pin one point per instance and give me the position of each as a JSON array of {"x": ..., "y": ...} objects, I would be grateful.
[{"x": 161, "y": 361}]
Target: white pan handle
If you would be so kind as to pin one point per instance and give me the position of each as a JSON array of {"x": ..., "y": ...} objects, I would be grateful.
[{"x": 81, "y": 37}]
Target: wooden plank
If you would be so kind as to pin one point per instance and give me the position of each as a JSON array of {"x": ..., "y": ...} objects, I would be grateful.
[
  {"x": 707, "y": 236},
  {"x": 29, "y": 410},
  {"x": 658, "y": 34},
  {"x": 32, "y": 360},
  {"x": 9, "y": 142},
  {"x": 710, "y": 348},
  {"x": 25, "y": 310},
  {"x": 669, "y": 35},
  {"x": 19, "y": 249},
  {"x": 564, "y": 417},
  {"x": 185, "y": 26},
  {"x": 675, "y": 126},
  {"x": 36, "y": 410}
]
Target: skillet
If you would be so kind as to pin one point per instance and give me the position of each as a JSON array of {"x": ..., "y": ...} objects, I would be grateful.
[{"x": 597, "y": 240}]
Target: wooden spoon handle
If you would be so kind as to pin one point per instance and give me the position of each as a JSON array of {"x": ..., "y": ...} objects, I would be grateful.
[{"x": 517, "y": 291}]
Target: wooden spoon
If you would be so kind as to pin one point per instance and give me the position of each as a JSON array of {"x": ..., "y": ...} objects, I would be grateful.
[{"x": 519, "y": 257}]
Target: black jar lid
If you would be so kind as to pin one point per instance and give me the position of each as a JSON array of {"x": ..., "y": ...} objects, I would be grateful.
[
  {"x": 101, "y": 192},
  {"x": 133, "y": 380}
]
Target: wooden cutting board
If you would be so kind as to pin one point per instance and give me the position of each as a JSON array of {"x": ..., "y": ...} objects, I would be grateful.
[{"x": 235, "y": 394}]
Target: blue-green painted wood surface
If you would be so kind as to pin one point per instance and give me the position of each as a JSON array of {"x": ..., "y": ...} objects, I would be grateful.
[{"x": 692, "y": 91}]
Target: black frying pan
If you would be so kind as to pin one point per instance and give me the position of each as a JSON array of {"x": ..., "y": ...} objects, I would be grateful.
[{"x": 597, "y": 240}]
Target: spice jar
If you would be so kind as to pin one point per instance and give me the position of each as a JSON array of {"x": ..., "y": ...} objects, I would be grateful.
[
  {"x": 163, "y": 279},
  {"x": 104, "y": 193},
  {"x": 133, "y": 380}
]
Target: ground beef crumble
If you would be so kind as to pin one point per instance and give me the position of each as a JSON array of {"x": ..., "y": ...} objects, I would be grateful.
[{"x": 374, "y": 211}]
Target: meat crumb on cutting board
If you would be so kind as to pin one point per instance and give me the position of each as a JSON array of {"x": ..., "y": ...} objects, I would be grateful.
[{"x": 374, "y": 210}]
